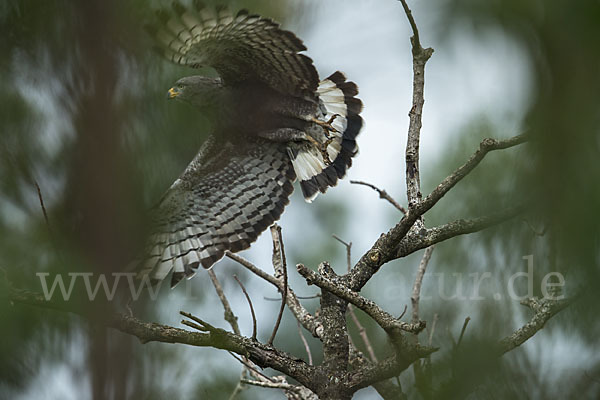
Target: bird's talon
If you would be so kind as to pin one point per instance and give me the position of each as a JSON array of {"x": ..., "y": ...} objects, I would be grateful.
[
  {"x": 326, "y": 125},
  {"x": 324, "y": 151}
]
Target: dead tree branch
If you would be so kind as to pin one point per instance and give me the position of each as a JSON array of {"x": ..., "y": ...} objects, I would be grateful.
[
  {"x": 280, "y": 267},
  {"x": 382, "y": 195},
  {"x": 361, "y": 329},
  {"x": 385, "y": 248},
  {"x": 416, "y": 292},
  {"x": 543, "y": 310},
  {"x": 250, "y": 304},
  {"x": 305, "y": 343},
  {"x": 363, "y": 333},
  {"x": 335, "y": 340},
  {"x": 260, "y": 354},
  {"x": 387, "y": 389},
  {"x": 229, "y": 315},
  {"x": 456, "y": 228},
  {"x": 387, "y": 321},
  {"x": 308, "y": 321}
]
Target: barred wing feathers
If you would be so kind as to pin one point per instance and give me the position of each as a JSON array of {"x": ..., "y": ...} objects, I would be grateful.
[
  {"x": 239, "y": 47},
  {"x": 223, "y": 201},
  {"x": 336, "y": 97}
]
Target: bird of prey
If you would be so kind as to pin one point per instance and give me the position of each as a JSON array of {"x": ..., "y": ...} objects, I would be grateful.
[{"x": 273, "y": 121}]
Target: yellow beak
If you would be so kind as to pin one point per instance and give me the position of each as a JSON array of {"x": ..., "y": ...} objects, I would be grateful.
[{"x": 172, "y": 93}]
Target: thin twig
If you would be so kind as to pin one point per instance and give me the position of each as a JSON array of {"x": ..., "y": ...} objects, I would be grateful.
[
  {"x": 416, "y": 292},
  {"x": 308, "y": 321},
  {"x": 194, "y": 325},
  {"x": 543, "y": 309},
  {"x": 392, "y": 244},
  {"x": 229, "y": 315},
  {"x": 50, "y": 232},
  {"x": 456, "y": 228},
  {"x": 251, "y": 367},
  {"x": 232, "y": 318},
  {"x": 316, "y": 296},
  {"x": 253, "y": 268},
  {"x": 41, "y": 198},
  {"x": 280, "y": 266},
  {"x": 363, "y": 334},
  {"x": 348, "y": 246},
  {"x": 382, "y": 195},
  {"x": 433, "y": 323},
  {"x": 240, "y": 386},
  {"x": 272, "y": 385},
  {"x": 204, "y": 324},
  {"x": 305, "y": 342},
  {"x": 384, "y": 319},
  {"x": 462, "y": 331},
  {"x": 413, "y": 24},
  {"x": 403, "y": 312},
  {"x": 250, "y": 304}
]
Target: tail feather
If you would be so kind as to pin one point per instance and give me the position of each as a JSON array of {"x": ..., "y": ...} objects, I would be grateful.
[{"x": 336, "y": 96}]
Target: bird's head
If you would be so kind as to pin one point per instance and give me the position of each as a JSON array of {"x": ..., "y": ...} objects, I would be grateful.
[{"x": 199, "y": 91}]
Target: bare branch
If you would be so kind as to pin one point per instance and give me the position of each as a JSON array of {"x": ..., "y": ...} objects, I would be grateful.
[
  {"x": 388, "y": 322},
  {"x": 456, "y": 228},
  {"x": 251, "y": 367},
  {"x": 280, "y": 266},
  {"x": 204, "y": 326},
  {"x": 250, "y": 304},
  {"x": 260, "y": 354},
  {"x": 388, "y": 368},
  {"x": 543, "y": 309},
  {"x": 382, "y": 195},
  {"x": 403, "y": 312},
  {"x": 361, "y": 329},
  {"x": 313, "y": 297},
  {"x": 435, "y": 318},
  {"x": 308, "y": 321},
  {"x": 271, "y": 385},
  {"x": 240, "y": 386},
  {"x": 363, "y": 334},
  {"x": 253, "y": 268},
  {"x": 416, "y": 292},
  {"x": 386, "y": 247},
  {"x": 348, "y": 246},
  {"x": 462, "y": 331},
  {"x": 41, "y": 198},
  {"x": 413, "y": 175},
  {"x": 416, "y": 42},
  {"x": 486, "y": 146},
  {"x": 305, "y": 343},
  {"x": 386, "y": 388},
  {"x": 229, "y": 315},
  {"x": 335, "y": 331},
  {"x": 195, "y": 326}
]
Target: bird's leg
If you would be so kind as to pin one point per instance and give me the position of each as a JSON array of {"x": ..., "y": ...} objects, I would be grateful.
[
  {"x": 322, "y": 148},
  {"x": 324, "y": 151},
  {"x": 326, "y": 125}
]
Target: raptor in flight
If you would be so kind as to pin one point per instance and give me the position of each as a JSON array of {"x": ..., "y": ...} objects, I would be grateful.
[{"x": 273, "y": 122}]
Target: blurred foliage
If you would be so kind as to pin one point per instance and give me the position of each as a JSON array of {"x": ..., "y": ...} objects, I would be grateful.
[
  {"x": 42, "y": 118},
  {"x": 52, "y": 55}
]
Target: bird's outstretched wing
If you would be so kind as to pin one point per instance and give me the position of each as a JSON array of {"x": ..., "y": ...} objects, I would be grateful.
[
  {"x": 239, "y": 47},
  {"x": 224, "y": 199}
]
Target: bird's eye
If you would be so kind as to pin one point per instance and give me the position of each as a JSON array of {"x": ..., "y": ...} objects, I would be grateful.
[{"x": 180, "y": 86}]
